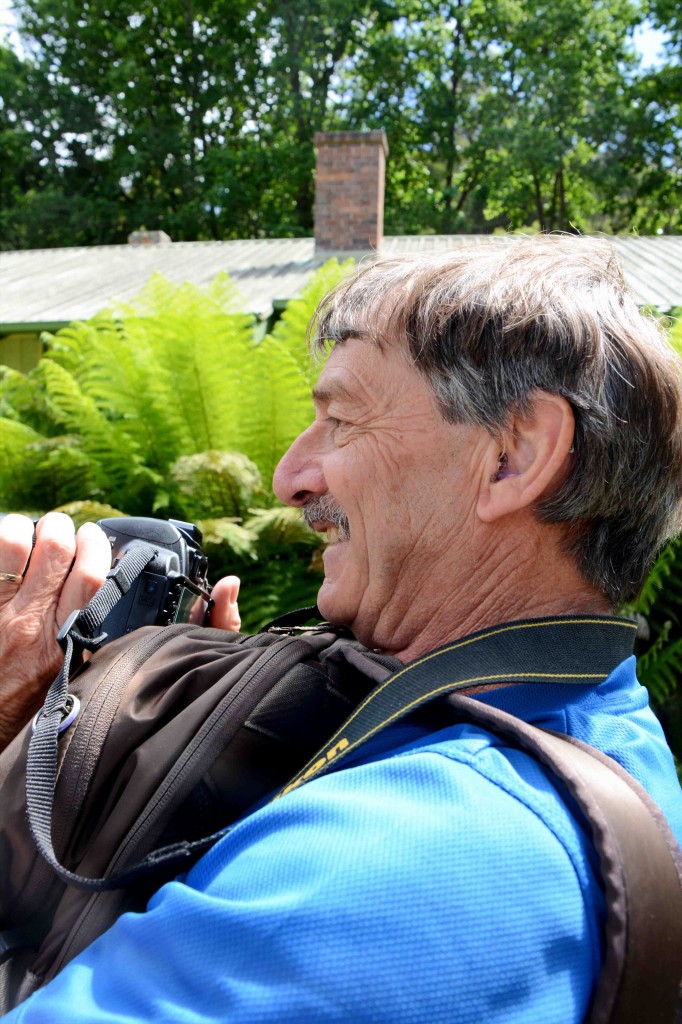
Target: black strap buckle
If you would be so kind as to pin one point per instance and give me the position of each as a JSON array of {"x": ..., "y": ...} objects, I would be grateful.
[
  {"x": 70, "y": 630},
  {"x": 69, "y": 624},
  {"x": 119, "y": 574}
]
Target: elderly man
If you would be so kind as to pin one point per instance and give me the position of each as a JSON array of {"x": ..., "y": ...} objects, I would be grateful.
[{"x": 498, "y": 436}]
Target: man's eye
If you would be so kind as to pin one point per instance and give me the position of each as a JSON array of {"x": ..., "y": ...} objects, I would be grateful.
[{"x": 338, "y": 429}]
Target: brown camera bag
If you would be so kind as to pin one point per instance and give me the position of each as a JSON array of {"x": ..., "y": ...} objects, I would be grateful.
[{"x": 182, "y": 729}]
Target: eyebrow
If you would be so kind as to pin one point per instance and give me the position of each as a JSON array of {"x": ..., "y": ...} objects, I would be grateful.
[
  {"x": 340, "y": 332},
  {"x": 328, "y": 392}
]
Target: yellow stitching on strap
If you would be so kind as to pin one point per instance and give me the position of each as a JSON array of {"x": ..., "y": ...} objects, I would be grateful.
[
  {"x": 342, "y": 744},
  {"x": 481, "y": 636}
]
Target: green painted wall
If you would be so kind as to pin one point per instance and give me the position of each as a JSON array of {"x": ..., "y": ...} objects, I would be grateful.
[{"x": 20, "y": 351}]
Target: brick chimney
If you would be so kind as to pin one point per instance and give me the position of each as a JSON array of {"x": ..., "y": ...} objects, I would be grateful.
[{"x": 349, "y": 192}]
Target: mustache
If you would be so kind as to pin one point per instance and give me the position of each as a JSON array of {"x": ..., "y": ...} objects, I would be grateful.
[{"x": 326, "y": 510}]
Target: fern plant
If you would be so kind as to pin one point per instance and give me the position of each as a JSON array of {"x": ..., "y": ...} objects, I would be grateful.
[
  {"x": 170, "y": 407},
  {"x": 659, "y": 643},
  {"x": 659, "y": 610}
]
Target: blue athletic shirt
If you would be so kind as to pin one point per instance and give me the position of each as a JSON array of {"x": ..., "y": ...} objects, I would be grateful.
[{"x": 439, "y": 877}]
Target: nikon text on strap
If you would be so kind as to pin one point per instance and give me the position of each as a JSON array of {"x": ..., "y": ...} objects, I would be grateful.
[{"x": 575, "y": 649}]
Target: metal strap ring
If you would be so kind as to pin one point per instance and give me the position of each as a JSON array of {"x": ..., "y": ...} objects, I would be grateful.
[{"x": 69, "y": 713}]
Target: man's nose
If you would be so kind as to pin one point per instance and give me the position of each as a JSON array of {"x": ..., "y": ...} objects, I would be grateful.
[{"x": 299, "y": 476}]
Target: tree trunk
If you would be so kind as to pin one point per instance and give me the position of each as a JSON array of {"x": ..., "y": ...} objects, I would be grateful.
[
  {"x": 539, "y": 211},
  {"x": 450, "y": 159}
]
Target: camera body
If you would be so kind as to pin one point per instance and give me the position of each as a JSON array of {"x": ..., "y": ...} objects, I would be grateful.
[{"x": 172, "y": 588}]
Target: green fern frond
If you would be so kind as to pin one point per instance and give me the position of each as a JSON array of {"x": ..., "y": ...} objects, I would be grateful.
[
  {"x": 88, "y": 511},
  {"x": 199, "y": 349},
  {"x": 286, "y": 573},
  {"x": 224, "y": 294},
  {"x": 666, "y": 571},
  {"x": 118, "y": 370},
  {"x": 291, "y": 329},
  {"x": 58, "y": 470},
  {"x": 276, "y": 584},
  {"x": 13, "y": 383},
  {"x": 214, "y": 484},
  {"x": 274, "y": 403},
  {"x": 21, "y": 398},
  {"x": 223, "y": 541},
  {"x": 156, "y": 293},
  {"x": 120, "y": 475},
  {"x": 15, "y": 441},
  {"x": 660, "y": 668},
  {"x": 274, "y": 395},
  {"x": 71, "y": 345},
  {"x": 281, "y": 526}
]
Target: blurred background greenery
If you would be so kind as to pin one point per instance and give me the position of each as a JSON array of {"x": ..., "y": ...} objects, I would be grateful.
[{"x": 171, "y": 408}]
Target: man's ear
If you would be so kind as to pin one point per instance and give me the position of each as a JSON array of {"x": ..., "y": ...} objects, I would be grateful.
[{"x": 531, "y": 457}]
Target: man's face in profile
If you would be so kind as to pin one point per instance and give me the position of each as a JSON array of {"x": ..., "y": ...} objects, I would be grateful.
[{"x": 390, "y": 482}]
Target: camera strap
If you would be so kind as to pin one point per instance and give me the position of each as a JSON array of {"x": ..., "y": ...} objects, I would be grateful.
[
  {"x": 82, "y": 626},
  {"x": 571, "y": 649},
  {"x": 640, "y": 861},
  {"x": 80, "y": 631}
]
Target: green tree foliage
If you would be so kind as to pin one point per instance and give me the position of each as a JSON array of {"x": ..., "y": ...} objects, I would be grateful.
[
  {"x": 570, "y": 67},
  {"x": 511, "y": 114},
  {"x": 168, "y": 407},
  {"x": 199, "y": 118},
  {"x": 194, "y": 107},
  {"x": 51, "y": 186},
  {"x": 667, "y": 16}
]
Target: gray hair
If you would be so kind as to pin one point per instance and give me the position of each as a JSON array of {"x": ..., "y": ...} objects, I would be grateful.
[{"x": 489, "y": 324}]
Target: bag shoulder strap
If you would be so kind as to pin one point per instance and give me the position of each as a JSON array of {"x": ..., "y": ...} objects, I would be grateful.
[
  {"x": 639, "y": 858},
  {"x": 640, "y": 863}
]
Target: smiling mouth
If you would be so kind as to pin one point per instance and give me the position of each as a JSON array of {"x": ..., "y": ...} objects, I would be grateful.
[{"x": 335, "y": 535}]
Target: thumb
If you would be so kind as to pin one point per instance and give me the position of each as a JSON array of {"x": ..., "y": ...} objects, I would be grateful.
[{"x": 225, "y": 612}]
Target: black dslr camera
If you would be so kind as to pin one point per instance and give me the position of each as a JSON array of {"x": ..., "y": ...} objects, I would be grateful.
[{"x": 173, "y": 586}]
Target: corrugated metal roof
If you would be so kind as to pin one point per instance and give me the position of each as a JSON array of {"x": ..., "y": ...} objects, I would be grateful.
[
  {"x": 59, "y": 285},
  {"x": 74, "y": 284}
]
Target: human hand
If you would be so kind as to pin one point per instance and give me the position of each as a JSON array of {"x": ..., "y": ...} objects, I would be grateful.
[
  {"x": 64, "y": 572},
  {"x": 225, "y": 612}
]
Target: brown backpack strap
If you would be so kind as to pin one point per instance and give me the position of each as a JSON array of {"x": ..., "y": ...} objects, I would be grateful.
[
  {"x": 640, "y": 861},
  {"x": 641, "y": 870}
]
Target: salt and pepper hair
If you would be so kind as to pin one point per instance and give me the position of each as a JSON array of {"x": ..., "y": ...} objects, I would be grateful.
[{"x": 488, "y": 324}]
